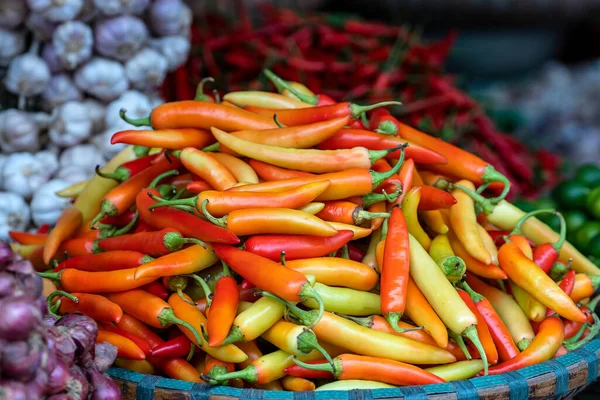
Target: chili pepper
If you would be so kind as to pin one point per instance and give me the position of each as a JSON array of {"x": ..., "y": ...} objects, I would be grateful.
[
  {"x": 265, "y": 100},
  {"x": 433, "y": 198},
  {"x": 190, "y": 313},
  {"x": 253, "y": 322},
  {"x": 253, "y": 221},
  {"x": 349, "y": 138},
  {"x": 67, "y": 223},
  {"x": 165, "y": 138},
  {"x": 546, "y": 254},
  {"x": 309, "y": 160},
  {"x": 214, "y": 366},
  {"x": 201, "y": 115},
  {"x": 222, "y": 309},
  {"x": 358, "y": 232},
  {"x": 442, "y": 296},
  {"x": 207, "y": 168},
  {"x": 109, "y": 261},
  {"x": 122, "y": 197},
  {"x": 189, "y": 225},
  {"x": 567, "y": 284},
  {"x": 126, "y": 347},
  {"x": 509, "y": 311},
  {"x": 584, "y": 286},
  {"x": 120, "y": 220},
  {"x": 74, "y": 280},
  {"x": 394, "y": 60},
  {"x": 441, "y": 252},
  {"x": 269, "y": 172},
  {"x": 157, "y": 289},
  {"x": 145, "y": 347},
  {"x": 269, "y": 275},
  {"x": 505, "y": 216},
  {"x": 473, "y": 265},
  {"x": 43, "y": 229},
  {"x": 127, "y": 169},
  {"x": 177, "y": 347},
  {"x": 95, "y": 306},
  {"x": 482, "y": 329},
  {"x": 457, "y": 371},
  {"x": 240, "y": 170},
  {"x": 296, "y": 246},
  {"x": 26, "y": 238},
  {"x": 533, "y": 309},
  {"x": 344, "y": 184},
  {"x": 346, "y": 301},
  {"x": 222, "y": 203},
  {"x": 406, "y": 176},
  {"x": 543, "y": 347},
  {"x": 79, "y": 247},
  {"x": 155, "y": 244},
  {"x": 187, "y": 261},
  {"x": 198, "y": 186},
  {"x": 293, "y": 117},
  {"x": 336, "y": 272},
  {"x": 409, "y": 209},
  {"x": 392, "y": 184},
  {"x": 532, "y": 279},
  {"x": 500, "y": 334},
  {"x": 297, "y": 384},
  {"x": 139, "y": 366},
  {"x": 348, "y": 213}
]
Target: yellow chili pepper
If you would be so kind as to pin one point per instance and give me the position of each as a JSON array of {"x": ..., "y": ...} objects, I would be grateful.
[
  {"x": 346, "y": 301},
  {"x": 533, "y": 309},
  {"x": 264, "y": 99},
  {"x": 451, "y": 265},
  {"x": 409, "y": 208},
  {"x": 254, "y": 321}
]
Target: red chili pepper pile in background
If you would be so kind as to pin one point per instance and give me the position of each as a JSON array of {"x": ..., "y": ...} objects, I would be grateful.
[{"x": 349, "y": 59}]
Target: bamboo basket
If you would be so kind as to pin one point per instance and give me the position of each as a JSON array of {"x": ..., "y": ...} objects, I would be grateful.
[{"x": 561, "y": 378}]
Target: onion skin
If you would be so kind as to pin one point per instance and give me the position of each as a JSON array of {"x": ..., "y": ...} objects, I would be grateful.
[
  {"x": 78, "y": 385},
  {"x": 104, "y": 387},
  {"x": 20, "y": 360},
  {"x": 32, "y": 286},
  {"x": 13, "y": 390},
  {"x": 82, "y": 329},
  {"x": 105, "y": 356},
  {"x": 6, "y": 254},
  {"x": 20, "y": 316},
  {"x": 61, "y": 343},
  {"x": 8, "y": 284},
  {"x": 59, "y": 378}
]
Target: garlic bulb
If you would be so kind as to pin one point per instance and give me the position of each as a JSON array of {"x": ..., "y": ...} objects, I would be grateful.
[
  {"x": 27, "y": 75},
  {"x": 170, "y": 18},
  {"x": 77, "y": 163},
  {"x": 24, "y": 173},
  {"x": 13, "y": 44},
  {"x": 45, "y": 205},
  {"x": 71, "y": 124},
  {"x": 40, "y": 26},
  {"x": 57, "y": 11},
  {"x": 102, "y": 78},
  {"x": 175, "y": 48},
  {"x": 88, "y": 12},
  {"x": 51, "y": 57},
  {"x": 120, "y": 7},
  {"x": 147, "y": 69},
  {"x": 96, "y": 112},
  {"x": 60, "y": 89},
  {"x": 12, "y": 13},
  {"x": 18, "y": 131},
  {"x": 73, "y": 42},
  {"x": 120, "y": 37},
  {"x": 136, "y": 103}
]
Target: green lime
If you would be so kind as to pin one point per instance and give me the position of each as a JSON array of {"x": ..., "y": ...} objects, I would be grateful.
[
  {"x": 574, "y": 219},
  {"x": 584, "y": 235},
  {"x": 588, "y": 175},
  {"x": 593, "y": 247},
  {"x": 544, "y": 204},
  {"x": 593, "y": 202},
  {"x": 551, "y": 220},
  {"x": 524, "y": 205},
  {"x": 571, "y": 194}
]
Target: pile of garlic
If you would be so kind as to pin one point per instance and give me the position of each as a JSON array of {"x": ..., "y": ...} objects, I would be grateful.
[{"x": 81, "y": 60}]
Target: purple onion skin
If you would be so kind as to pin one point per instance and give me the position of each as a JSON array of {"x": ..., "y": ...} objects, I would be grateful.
[
  {"x": 61, "y": 343},
  {"x": 19, "y": 317},
  {"x": 32, "y": 286},
  {"x": 20, "y": 361},
  {"x": 104, "y": 387},
  {"x": 78, "y": 386},
  {"x": 13, "y": 390},
  {"x": 22, "y": 267},
  {"x": 106, "y": 354},
  {"x": 37, "y": 387},
  {"x": 82, "y": 329},
  {"x": 59, "y": 378},
  {"x": 62, "y": 396},
  {"x": 49, "y": 319},
  {"x": 8, "y": 284},
  {"x": 6, "y": 254}
]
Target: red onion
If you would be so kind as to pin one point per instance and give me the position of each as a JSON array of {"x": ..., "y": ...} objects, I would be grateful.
[
  {"x": 105, "y": 355},
  {"x": 8, "y": 284},
  {"x": 82, "y": 329},
  {"x": 60, "y": 341},
  {"x": 19, "y": 317},
  {"x": 78, "y": 385},
  {"x": 20, "y": 360},
  {"x": 59, "y": 378},
  {"x": 6, "y": 254},
  {"x": 104, "y": 387},
  {"x": 13, "y": 390}
]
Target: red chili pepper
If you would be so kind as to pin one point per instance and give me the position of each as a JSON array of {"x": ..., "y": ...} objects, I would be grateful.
[
  {"x": 391, "y": 184},
  {"x": 43, "y": 229},
  {"x": 483, "y": 330},
  {"x": 223, "y": 308},
  {"x": 154, "y": 244},
  {"x": 157, "y": 289},
  {"x": 128, "y": 169},
  {"x": 119, "y": 220},
  {"x": 189, "y": 225},
  {"x": 246, "y": 284},
  {"x": 567, "y": 284},
  {"x": 354, "y": 252},
  {"x": 26, "y": 238},
  {"x": 433, "y": 198},
  {"x": 546, "y": 254},
  {"x": 79, "y": 247},
  {"x": 142, "y": 226},
  {"x": 296, "y": 246},
  {"x": 180, "y": 346},
  {"x": 297, "y": 370},
  {"x": 109, "y": 261}
]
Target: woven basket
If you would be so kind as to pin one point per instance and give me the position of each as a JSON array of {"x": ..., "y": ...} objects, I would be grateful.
[{"x": 561, "y": 378}]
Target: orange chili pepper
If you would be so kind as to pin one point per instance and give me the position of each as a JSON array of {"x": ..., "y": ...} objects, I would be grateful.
[
  {"x": 252, "y": 221},
  {"x": 172, "y": 139},
  {"x": 297, "y": 384},
  {"x": 379, "y": 207},
  {"x": 358, "y": 232},
  {"x": 27, "y": 238},
  {"x": 270, "y": 172},
  {"x": 347, "y": 213},
  {"x": 67, "y": 223},
  {"x": 74, "y": 280},
  {"x": 196, "y": 114},
  {"x": 223, "y": 308},
  {"x": 336, "y": 271},
  {"x": 221, "y": 203},
  {"x": 543, "y": 347},
  {"x": 406, "y": 177},
  {"x": 482, "y": 330},
  {"x": 126, "y": 347},
  {"x": 254, "y": 353},
  {"x": 207, "y": 168},
  {"x": 421, "y": 313},
  {"x": 395, "y": 268},
  {"x": 585, "y": 286},
  {"x": 187, "y": 261},
  {"x": 309, "y": 160},
  {"x": 473, "y": 265},
  {"x": 214, "y": 366},
  {"x": 530, "y": 277},
  {"x": 240, "y": 170},
  {"x": 95, "y": 306},
  {"x": 78, "y": 247},
  {"x": 108, "y": 261}
]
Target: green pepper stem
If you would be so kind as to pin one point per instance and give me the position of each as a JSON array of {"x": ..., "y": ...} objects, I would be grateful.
[
  {"x": 119, "y": 175},
  {"x": 345, "y": 254},
  {"x": 249, "y": 374},
  {"x": 471, "y": 334},
  {"x": 363, "y": 215},
  {"x": 310, "y": 292},
  {"x": 277, "y": 122},
  {"x": 375, "y": 155},
  {"x": 135, "y": 122},
  {"x": 491, "y": 175},
  {"x": 282, "y": 258},
  {"x": 476, "y": 297},
  {"x": 357, "y": 110},
  {"x": 523, "y": 344},
  {"x": 377, "y": 178},
  {"x": 367, "y": 322},
  {"x": 127, "y": 227},
  {"x": 592, "y": 335},
  {"x": 517, "y": 229},
  {"x": 461, "y": 344},
  {"x": 563, "y": 232},
  {"x": 578, "y": 335},
  {"x": 54, "y": 306},
  {"x": 384, "y": 230},
  {"x": 372, "y": 198},
  {"x": 222, "y": 222},
  {"x": 594, "y": 302},
  {"x": 162, "y": 176},
  {"x": 226, "y": 269},
  {"x": 321, "y": 367},
  {"x": 189, "y": 202},
  {"x": 215, "y": 147},
  {"x": 282, "y": 85},
  {"x": 140, "y": 151},
  {"x": 235, "y": 335},
  {"x": 453, "y": 267},
  {"x": 394, "y": 317},
  {"x": 365, "y": 120},
  {"x": 167, "y": 316},
  {"x": 204, "y": 286},
  {"x": 304, "y": 317},
  {"x": 307, "y": 342},
  {"x": 174, "y": 242},
  {"x": 200, "y": 96},
  {"x": 486, "y": 204},
  {"x": 387, "y": 127},
  {"x": 217, "y": 96}
]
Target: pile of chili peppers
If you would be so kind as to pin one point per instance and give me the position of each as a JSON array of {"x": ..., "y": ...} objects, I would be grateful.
[
  {"x": 260, "y": 240},
  {"x": 355, "y": 60}
]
